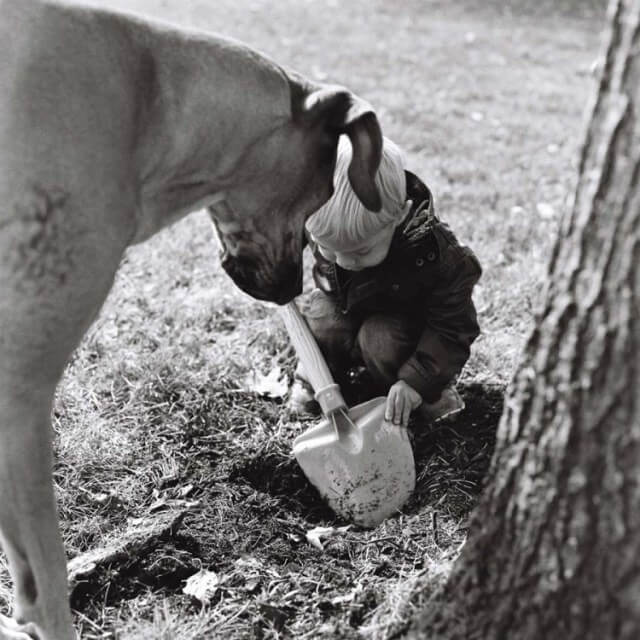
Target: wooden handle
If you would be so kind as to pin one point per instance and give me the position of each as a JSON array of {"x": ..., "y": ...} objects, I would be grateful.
[{"x": 315, "y": 366}]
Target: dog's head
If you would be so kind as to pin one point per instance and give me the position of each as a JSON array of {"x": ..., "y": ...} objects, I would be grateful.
[{"x": 283, "y": 178}]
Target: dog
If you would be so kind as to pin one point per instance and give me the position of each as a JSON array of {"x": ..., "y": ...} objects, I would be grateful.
[{"x": 113, "y": 126}]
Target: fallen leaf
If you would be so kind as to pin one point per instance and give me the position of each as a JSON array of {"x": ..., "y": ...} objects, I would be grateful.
[
  {"x": 249, "y": 565},
  {"x": 273, "y": 385},
  {"x": 545, "y": 210},
  {"x": 344, "y": 599},
  {"x": 315, "y": 535},
  {"x": 158, "y": 504},
  {"x": 202, "y": 585},
  {"x": 185, "y": 491},
  {"x": 248, "y": 562},
  {"x": 252, "y": 586}
]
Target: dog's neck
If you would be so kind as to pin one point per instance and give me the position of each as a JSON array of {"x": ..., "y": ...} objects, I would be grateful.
[{"x": 195, "y": 120}]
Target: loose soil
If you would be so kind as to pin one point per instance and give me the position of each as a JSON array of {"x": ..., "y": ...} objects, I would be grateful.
[{"x": 255, "y": 510}]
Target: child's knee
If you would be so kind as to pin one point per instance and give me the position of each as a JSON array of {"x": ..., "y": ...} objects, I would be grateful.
[
  {"x": 373, "y": 337},
  {"x": 385, "y": 343},
  {"x": 334, "y": 331}
]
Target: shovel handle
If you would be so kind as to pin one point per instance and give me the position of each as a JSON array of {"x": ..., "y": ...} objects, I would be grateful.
[{"x": 315, "y": 366}]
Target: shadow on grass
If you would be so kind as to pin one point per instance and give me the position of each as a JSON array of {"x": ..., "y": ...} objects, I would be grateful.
[
  {"x": 451, "y": 461},
  {"x": 452, "y": 457},
  {"x": 280, "y": 476}
]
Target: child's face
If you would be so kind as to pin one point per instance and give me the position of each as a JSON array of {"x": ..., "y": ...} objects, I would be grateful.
[{"x": 356, "y": 257}]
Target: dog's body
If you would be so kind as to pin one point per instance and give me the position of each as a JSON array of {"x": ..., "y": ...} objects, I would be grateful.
[{"x": 112, "y": 127}]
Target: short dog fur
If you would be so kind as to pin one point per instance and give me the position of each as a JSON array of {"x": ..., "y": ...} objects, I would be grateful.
[{"x": 111, "y": 127}]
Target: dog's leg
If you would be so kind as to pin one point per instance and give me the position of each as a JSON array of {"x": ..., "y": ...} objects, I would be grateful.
[
  {"x": 30, "y": 533},
  {"x": 28, "y": 520},
  {"x": 59, "y": 253},
  {"x": 12, "y": 630}
]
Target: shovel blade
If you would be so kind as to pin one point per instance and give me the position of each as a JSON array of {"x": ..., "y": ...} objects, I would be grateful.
[{"x": 363, "y": 484}]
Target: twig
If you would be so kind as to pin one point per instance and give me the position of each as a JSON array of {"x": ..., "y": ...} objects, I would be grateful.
[{"x": 140, "y": 536}]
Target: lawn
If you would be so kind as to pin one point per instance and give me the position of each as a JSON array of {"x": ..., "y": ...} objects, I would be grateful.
[{"x": 156, "y": 419}]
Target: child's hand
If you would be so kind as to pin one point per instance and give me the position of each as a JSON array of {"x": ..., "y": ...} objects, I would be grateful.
[{"x": 401, "y": 401}]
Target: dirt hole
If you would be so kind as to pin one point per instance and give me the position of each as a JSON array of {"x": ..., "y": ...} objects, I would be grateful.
[{"x": 281, "y": 476}]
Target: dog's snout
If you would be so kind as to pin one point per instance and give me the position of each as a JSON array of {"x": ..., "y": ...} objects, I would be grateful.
[
  {"x": 278, "y": 284},
  {"x": 291, "y": 285}
]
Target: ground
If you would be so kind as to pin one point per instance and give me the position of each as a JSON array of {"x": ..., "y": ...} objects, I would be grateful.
[{"x": 156, "y": 415}]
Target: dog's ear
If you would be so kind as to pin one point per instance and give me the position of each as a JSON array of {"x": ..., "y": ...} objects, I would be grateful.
[{"x": 340, "y": 111}]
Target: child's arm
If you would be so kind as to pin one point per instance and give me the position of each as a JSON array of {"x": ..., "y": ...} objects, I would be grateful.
[{"x": 450, "y": 328}]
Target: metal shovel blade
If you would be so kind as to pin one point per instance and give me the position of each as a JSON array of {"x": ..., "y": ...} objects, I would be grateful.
[{"x": 361, "y": 464}]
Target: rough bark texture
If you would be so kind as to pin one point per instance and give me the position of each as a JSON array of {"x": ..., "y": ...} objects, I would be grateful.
[{"x": 554, "y": 549}]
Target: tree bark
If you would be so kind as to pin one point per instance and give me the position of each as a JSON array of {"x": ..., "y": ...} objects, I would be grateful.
[{"x": 554, "y": 548}]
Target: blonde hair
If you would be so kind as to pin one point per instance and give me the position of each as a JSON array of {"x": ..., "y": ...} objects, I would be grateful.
[{"x": 344, "y": 219}]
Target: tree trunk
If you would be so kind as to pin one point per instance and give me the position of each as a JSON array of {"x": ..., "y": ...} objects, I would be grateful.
[{"x": 554, "y": 548}]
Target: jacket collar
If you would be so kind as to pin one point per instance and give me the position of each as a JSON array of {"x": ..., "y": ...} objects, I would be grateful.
[{"x": 420, "y": 219}]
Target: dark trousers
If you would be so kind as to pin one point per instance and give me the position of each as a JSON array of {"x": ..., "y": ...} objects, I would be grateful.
[{"x": 382, "y": 342}]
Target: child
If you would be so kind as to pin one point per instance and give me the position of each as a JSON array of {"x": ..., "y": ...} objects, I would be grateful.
[{"x": 393, "y": 293}]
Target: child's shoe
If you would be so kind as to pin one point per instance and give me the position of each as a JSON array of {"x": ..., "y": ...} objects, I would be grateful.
[
  {"x": 301, "y": 398},
  {"x": 447, "y": 405}
]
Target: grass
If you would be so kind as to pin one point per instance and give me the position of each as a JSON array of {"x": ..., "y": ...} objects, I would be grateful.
[{"x": 154, "y": 413}]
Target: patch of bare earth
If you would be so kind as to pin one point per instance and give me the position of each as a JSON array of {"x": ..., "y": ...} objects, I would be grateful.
[{"x": 248, "y": 514}]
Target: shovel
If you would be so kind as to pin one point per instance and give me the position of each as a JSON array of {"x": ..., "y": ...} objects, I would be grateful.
[{"x": 361, "y": 464}]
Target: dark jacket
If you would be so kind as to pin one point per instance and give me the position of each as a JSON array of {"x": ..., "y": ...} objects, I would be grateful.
[{"x": 427, "y": 275}]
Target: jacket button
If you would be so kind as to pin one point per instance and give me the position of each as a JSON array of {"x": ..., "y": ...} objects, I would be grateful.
[
  {"x": 431, "y": 256},
  {"x": 419, "y": 262}
]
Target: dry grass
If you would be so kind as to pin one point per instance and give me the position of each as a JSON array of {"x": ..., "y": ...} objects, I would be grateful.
[{"x": 153, "y": 413}]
